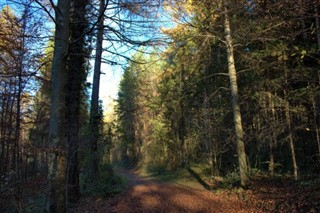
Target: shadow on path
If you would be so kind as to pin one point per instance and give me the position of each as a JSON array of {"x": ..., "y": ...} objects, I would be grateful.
[
  {"x": 149, "y": 195},
  {"x": 197, "y": 177},
  {"x": 146, "y": 195}
]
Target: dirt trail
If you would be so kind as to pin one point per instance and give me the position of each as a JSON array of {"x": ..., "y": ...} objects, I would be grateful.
[{"x": 146, "y": 195}]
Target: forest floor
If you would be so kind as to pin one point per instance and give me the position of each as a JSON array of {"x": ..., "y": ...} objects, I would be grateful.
[{"x": 145, "y": 194}]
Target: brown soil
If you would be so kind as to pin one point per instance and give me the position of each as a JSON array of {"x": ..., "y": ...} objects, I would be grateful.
[{"x": 146, "y": 195}]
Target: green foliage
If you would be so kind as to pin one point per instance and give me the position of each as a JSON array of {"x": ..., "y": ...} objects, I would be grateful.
[
  {"x": 180, "y": 176},
  {"x": 156, "y": 151},
  {"x": 231, "y": 180},
  {"x": 106, "y": 184},
  {"x": 186, "y": 117}
]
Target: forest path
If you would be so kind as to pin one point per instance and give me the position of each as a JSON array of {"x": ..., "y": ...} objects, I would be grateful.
[{"x": 144, "y": 194}]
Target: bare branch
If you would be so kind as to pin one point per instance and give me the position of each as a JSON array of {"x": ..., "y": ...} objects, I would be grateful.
[
  {"x": 46, "y": 10},
  {"x": 101, "y": 15}
]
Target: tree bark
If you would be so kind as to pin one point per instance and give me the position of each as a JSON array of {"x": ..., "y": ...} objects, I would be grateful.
[
  {"x": 16, "y": 148},
  {"x": 57, "y": 164},
  {"x": 94, "y": 111},
  {"x": 316, "y": 9},
  {"x": 243, "y": 167},
  {"x": 76, "y": 76},
  {"x": 181, "y": 119},
  {"x": 272, "y": 141},
  {"x": 315, "y": 106},
  {"x": 290, "y": 136}
]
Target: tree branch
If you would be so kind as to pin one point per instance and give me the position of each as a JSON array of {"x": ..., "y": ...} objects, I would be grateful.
[{"x": 46, "y": 10}]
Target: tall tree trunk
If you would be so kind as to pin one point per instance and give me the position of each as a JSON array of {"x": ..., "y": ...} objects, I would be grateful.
[
  {"x": 16, "y": 149},
  {"x": 10, "y": 127},
  {"x": 76, "y": 76},
  {"x": 212, "y": 151},
  {"x": 57, "y": 164},
  {"x": 243, "y": 167},
  {"x": 290, "y": 136},
  {"x": 208, "y": 131},
  {"x": 2, "y": 132},
  {"x": 273, "y": 139},
  {"x": 94, "y": 111},
  {"x": 181, "y": 119},
  {"x": 303, "y": 18},
  {"x": 316, "y": 9},
  {"x": 316, "y": 119},
  {"x": 6, "y": 132}
]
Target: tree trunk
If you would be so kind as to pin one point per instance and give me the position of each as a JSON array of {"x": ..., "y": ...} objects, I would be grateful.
[
  {"x": 273, "y": 140},
  {"x": 243, "y": 167},
  {"x": 16, "y": 148},
  {"x": 303, "y": 18},
  {"x": 57, "y": 164},
  {"x": 181, "y": 119},
  {"x": 290, "y": 136},
  {"x": 2, "y": 133},
  {"x": 207, "y": 131},
  {"x": 212, "y": 152},
  {"x": 316, "y": 9},
  {"x": 10, "y": 127},
  {"x": 76, "y": 76},
  {"x": 6, "y": 134},
  {"x": 315, "y": 104},
  {"x": 94, "y": 111}
]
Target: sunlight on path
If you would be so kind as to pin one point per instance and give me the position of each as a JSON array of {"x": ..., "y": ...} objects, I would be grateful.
[{"x": 145, "y": 195}]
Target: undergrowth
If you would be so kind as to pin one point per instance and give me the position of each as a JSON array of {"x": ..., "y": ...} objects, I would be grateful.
[
  {"x": 196, "y": 176},
  {"x": 106, "y": 184}
]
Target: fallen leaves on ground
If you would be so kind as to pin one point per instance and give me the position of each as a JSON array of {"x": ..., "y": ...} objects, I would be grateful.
[
  {"x": 284, "y": 195},
  {"x": 144, "y": 195}
]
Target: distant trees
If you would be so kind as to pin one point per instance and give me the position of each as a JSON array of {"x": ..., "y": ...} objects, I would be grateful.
[
  {"x": 127, "y": 116},
  {"x": 137, "y": 110},
  {"x": 19, "y": 64},
  {"x": 270, "y": 53}
]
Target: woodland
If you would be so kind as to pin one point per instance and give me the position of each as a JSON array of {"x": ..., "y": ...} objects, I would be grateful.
[{"x": 227, "y": 91}]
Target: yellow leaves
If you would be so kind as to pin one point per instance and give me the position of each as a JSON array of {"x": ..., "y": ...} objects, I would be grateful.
[
  {"x": 178, "y": 31},
  {"x": 189, "y": 6},
  {"x": 282, "y": 52},
  {"x": 303, "y": 54},
  {"x": 275, "y": 53},
  {"x": 282, "y": 56},
  {"x": 9, "y": 27},
  {"x": 179, "y": 10}
]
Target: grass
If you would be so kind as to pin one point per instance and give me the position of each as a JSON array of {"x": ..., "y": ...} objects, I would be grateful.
[
  {"x": 194, "y": 176},
  {"x": 107, "y": 183}
]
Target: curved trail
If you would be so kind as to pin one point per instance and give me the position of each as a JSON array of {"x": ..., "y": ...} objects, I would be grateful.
[{"x": 144, "y": 195}]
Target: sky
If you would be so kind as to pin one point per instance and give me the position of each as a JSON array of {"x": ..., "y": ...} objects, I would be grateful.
[{"x": 109, "y": 84}]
